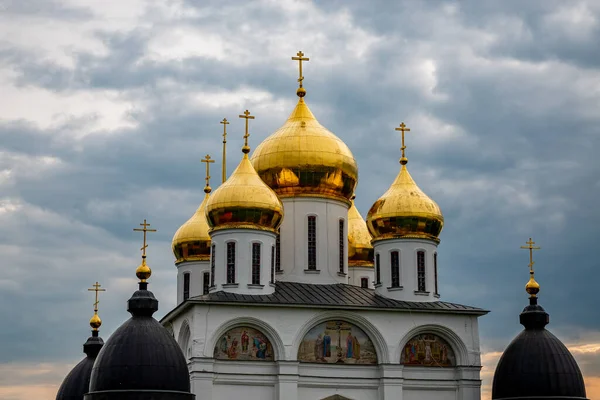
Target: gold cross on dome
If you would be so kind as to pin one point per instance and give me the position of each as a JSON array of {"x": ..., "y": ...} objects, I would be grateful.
[
  {"x": 300, "y": 57},
  {"x": 247, "y": 116},
  {"x": 403, "y": 129},
  {"x": 207, "y": 160},
  {"x": 225, "y": 123},
  {"x": 145, "y": 229},
  {"x": 96, "y": 288},
  {"x": 530, "y": 246}
]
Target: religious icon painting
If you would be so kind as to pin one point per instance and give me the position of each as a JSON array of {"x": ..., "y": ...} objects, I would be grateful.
[
  {"x": 243, "y": 343},
  {"x": 428, "y": 350},
  {"x": 337, "y": 342}
]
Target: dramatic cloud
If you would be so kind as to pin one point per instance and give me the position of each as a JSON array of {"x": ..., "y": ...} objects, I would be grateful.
[{"x": 107, "y": 107}]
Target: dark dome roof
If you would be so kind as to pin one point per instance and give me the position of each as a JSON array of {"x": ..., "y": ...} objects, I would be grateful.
[
  {"x": 140, "y": 359},
  {"x": 77, "y": 382},
  {"x": 536, "y": 364}
]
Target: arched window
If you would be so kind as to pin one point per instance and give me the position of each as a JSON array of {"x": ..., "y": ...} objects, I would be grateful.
[
  {"x": 186, "y": 286},
  {"x": 342, "y": 240},
  {"x": 205, "y": 282},
  {"x": 231, "y": 262},
  {"x": 435, "y": 274},
  {"x": 364, "y": 283},
  {"x": 421, "y": 271},
  {"x": 395, "y": 263},
  {"x": 272, "y": 264},
  {"x": 377, "y": 269},
  {"x": 184, "y": 340},
  {"x": 256, "y": 263},
  {"x": 212, "y": 266},
  {"x": 278, "y": 252},
  {"x": 312, "y": 242}
]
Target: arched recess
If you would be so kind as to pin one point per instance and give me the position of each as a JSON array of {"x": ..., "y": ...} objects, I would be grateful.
[
  {"x": 458, "y": 347},
  {"x": 270, "y": 333},
  {"x": 361, "y": 322},
  {"x": 184, "y": 339}
]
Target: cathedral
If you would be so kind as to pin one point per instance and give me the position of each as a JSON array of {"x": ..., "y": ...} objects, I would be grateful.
[{"x": 285, "y": 292}]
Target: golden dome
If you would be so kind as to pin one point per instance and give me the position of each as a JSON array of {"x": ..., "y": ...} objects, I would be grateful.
[
  {"x": 143, "y": 271},
  {"x": 191, "y": 242},
  {"x": 303, "y": 158},
  {"x": 360, "y": 251},
  {"x": 244, "y": 201},
  {"x": 95, "y": 322},
  {"x": 532, "y": 287},
  {"x": 404, "y": 211}
]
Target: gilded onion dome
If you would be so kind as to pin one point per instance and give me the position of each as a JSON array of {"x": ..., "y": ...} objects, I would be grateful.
[
  {"x": 360, "y": 251},
  {"x": 404, "y": 211},
  {"x": 191, "y": 242},
  {"x": 244, "y": 201},
  {"x": 303, "y": 158}
]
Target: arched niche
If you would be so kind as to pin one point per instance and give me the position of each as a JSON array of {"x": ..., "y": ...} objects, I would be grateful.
[
  {"x": 184, "y": 339},
  {"x": 243, "y": 343},
  {"x": 427, "y": 350},
  {"x": 337, "y": 342}
]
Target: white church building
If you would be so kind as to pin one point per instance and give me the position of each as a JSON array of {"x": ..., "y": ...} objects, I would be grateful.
[{"x": 285, "y": 292}]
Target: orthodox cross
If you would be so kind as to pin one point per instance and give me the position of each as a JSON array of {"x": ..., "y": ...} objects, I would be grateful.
[
  {"x": 300, "y": 58},
  {"x": 145, "y": 229},
  {"x": 247, "y": 116},
  {"x": 403, "y": 129},
  {"x": 225, "y": 123},
  {"x": 96, "y": 288},
  {"x": 207, "y": 160},
  {"x": 530, "y": 246}
]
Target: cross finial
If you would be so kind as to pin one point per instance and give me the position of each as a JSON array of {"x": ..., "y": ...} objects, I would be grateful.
[
  {"x": 207, "y": 160},
  {"x": 145, "y": 229},
  {"x": 403, "y": 129},
  {"x": 247, "y": 116},
  {"x": 530, "y": 246},
  {"x": 224, "y": 166},
  {"x": 300, "y": 57},
  {"x": 532, "y": 286},
  {"x": 95, "y": 321}
]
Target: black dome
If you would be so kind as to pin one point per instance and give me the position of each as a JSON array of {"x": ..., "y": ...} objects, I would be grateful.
[
  {"x": 141, "y": 359},
  {"x": 77, "y": 382},
  {"x": 536, "y": 364}
]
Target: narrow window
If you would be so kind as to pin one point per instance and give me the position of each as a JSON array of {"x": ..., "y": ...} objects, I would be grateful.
[
  {"x": 278, "y": 253},
  {"x": 421, "y": 271},
  {"x": 256, "y": 263},
  {"x": 212, "y": 266},
  {"x": 312, "y": 242},
  {"x": 435, "y": 272},
  {"x": 377, "y": 269},
  {"x": 342, "y": 240},
  {"x": 272, "y": 264},
  {"x": 205, "y": 282},
  {"x": 395, "y": 262},
  {"x": 231, "y": 262},
  {"x": 364, "y": 283},
  {"x": 186, "y": 286}
]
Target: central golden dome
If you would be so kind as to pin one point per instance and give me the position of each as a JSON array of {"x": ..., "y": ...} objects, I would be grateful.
[
  {"x": 360, "y": 251},
  {"x": 404, "y": 211},
  {"x": 244, "y": 201},
  {"x": 303, "y": 158}
]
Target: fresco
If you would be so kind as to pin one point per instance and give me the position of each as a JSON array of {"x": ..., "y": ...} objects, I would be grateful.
[
  {"x": 243, "y": 343},
  {"x": 428, "y": 350},
  {"x": 338, "y": 342}
]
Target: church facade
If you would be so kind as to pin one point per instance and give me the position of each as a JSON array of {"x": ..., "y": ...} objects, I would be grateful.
[{"x": 285, "y": 292}]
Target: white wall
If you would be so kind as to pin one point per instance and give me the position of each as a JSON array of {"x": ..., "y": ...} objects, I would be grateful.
[
  {"x": 288, "y": 379},
  {"x": 243, "y": 238},
  {"x": 196, "y": 270},
  {"x": 356, "y": 273},
  {"x": 408, "y": 249},
  {"x": 294, "y": 240}
]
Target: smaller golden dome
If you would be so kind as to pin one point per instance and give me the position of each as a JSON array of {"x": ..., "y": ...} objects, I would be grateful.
[
  {"x": 244, "y": 201},
  {"x": 95, "y": 322},
  {"x": 404, "y": 211},
  {"x": 532, "y": 287},
  {"x": 191, "y": 242},
  {"x": 143, "y": 272},
  {"x": 360, "y": 250}
]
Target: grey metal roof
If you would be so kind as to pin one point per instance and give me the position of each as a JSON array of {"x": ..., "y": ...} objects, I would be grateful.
[{"x": 341, "y": 296}]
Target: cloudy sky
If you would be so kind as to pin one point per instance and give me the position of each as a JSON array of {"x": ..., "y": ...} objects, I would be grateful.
[{"x": 107, "y": 107}]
